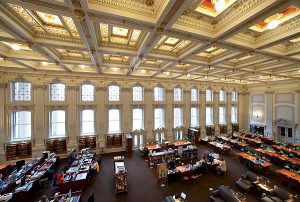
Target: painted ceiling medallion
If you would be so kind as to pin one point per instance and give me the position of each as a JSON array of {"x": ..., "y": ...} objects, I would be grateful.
[
  {"x": 171, "y": 41},
  {"x": 48, "y": 19},
  {"x": 213, "y": 7},
  {"x": 118, "y": 31}
]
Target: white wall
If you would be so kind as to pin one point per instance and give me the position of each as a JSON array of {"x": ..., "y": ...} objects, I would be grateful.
[
  {"x": 278, "y": 105},
  {"x": 40, "y": 105}
]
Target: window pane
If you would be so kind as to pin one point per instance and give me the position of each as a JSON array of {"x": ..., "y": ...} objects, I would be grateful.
[
  {"x": 87, "y": 122},
  {"x": 87, "y": 92},
  {"x": 234, "y": 114},
  {"x": 137, "y": 93},
  {"x": 194, "y": 95},
  {"x": 234, "y": 96},
  {"x": 137, "y": 119},
  {"x": 222, "y": 115},
  {"x": 177, "y": 94},
  {"x": 159, "y": 118},
  {"x": 20, "y": 91},
  {"x": 21, "y": 125},
  {"x": 222, "y": 96},
  {"x": 57, "y": 92},
  {"x": 194, "y": 117},
  {"x": 114, "y": 121},
  {"x": 177, "y": 117},
  {"x": 159, "y": 94},
  {"x": 113, "y": 93},
  {"x": 58, "y": 123},
  {"x": 209, "y": 115},
  {"x": 208, "y": 95}
]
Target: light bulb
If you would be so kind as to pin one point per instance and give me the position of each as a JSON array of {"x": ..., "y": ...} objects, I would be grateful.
[
  {"x": 273, "y": 24},
  {"x": 188, "y": 75},
  {"x": 220, "y": 4},
  {"x": 82, "y": 66},
  {"x": 44, "y": 63},
  {"x": 167, "y": 73},
  {"x": 15, "y": 46}
]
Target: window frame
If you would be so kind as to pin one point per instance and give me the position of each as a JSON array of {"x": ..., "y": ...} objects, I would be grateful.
[
  {"x": 108, "y": 121},
  {"x": 108, "y": 93},
  {"x": 197, "y": 90},
  {"x": 50, "y": 92},
  {"x": 12, "y": 125},
  {"x": 211, "y": 95},
  {"x": 50, "y": 136},
  {"x": 236, "y": 114},
  {"x": 164, "y": 118},
  {"x": 222, "y": 115},
  {"x": 224, "y": 94},
  {"x": 198, "y": 117},
  {"x": 234, "y": 96},
  {"x": 12, "y": 94},
  {"x": 94, "y": 93},
  {"x": 143, "y": 118},
  {"x": 181, "y": 116},
  {"x": 180, "y": 98},
  {"x": 163, "y": 94},
  {"x": 138, "y": 86},
  {"x": 212, "y": 116},
  {"x": 80, "y": 122}
]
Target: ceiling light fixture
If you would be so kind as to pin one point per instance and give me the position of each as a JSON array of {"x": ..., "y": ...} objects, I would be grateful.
[
  {"x": 206, "y": 77},
  {"x": 167, "y": 73},
  {"x": 15, "y": 47},
  {"x": 273, "y": 24},
  {"x": 188, "y": 75},
  {"x": 82, "y": 66},
  {"x": 143, "y": 71},
  {"x": 44, "y": 63},
  {"x": 219, "y": 5}
]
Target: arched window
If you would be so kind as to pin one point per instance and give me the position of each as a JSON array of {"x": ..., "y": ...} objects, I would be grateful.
[
  {"x": 20, "y": 91},
  {"x": 57, "y": 92},
  {"x": 222, "y": 95},
  {"x": 114, "y": 93},
  {"x": 159, "y": 93},
  {"x": 209, "y": 95},
  {"x": 194, "y": 95},
  {"x": 137, "y": 93},
  {"x": 177, "y": 94},
  {"x": 87, "y": 92},
  {"x": 234, "y": 96}
]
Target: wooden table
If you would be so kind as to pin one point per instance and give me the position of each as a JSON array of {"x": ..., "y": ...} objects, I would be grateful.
[
  {"x": 75, "y": 197},
  {"x": 181, "y": 143},
  {"x": 222, "y": 148},
  {"x": 77, "y": 183},
  {"x": 260, "y": 166},
  {"x": 289, "y": 174}
]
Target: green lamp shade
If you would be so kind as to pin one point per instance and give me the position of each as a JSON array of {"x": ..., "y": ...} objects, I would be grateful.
[{"x": 287, "y": 167}]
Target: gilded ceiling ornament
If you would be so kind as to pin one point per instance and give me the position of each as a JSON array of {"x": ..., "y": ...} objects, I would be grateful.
[
  {"x": 79, "y": 14},
  {"x": 149, "y": 2},
  {"x": 159, "y": 31}
]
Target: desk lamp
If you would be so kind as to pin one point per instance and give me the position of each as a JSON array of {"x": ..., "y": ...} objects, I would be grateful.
[{"x": 287, "y": 167}]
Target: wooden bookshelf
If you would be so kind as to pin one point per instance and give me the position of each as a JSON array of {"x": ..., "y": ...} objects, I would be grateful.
[
  {"x": 120, "y": 174},
  {"x": 223, "y": 129},
  {"x": 128, "y": 138},
  {"x": 114, "y": 140},
  {"x": 210, "y": 130},
  {"x": 194, "y": 135},
  {"x": 87, "y": 142},
  {"x": 16, "y": 150},
  {"x": 235, "y": 127},
  {"x": 58, "y": 145}
]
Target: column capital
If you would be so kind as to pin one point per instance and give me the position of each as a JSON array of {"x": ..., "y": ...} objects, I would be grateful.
[{"x": 269, "y": 92}]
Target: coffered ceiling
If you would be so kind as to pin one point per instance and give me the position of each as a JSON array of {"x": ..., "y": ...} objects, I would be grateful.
[{"x": 227, "y": 41}]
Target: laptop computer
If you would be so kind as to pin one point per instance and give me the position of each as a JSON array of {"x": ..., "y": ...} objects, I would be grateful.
[{"x": 182, "y": 196}]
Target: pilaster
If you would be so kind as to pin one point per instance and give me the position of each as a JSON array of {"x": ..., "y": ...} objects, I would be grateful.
[{"x": 269, "y": 113}]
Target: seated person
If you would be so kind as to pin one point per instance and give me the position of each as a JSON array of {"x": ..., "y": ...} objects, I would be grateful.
[
  {"x": 176, "y": 198},
  {"x": 221, "y": 168},
  {"x": 60, "y": 177},
  {"x": 95, "y": 167},
  {"x": 1, "y": 181}
]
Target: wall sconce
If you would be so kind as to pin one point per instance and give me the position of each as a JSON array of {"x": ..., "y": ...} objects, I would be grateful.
[{"x": 257, "y": 114}]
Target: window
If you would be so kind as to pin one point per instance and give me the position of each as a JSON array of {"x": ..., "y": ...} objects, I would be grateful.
[
  {"x": 159, "y": 94},
  {"x": 137, "y": 93},
  {"x": 177, "y": 94},
  {"x": 282, "y": 131},
  {"x": 209, "y": 95},
  {"x": 194, "y": 95},
  {"x": 114, "y": 125},
  {"x": 20, "y": 91},
  {"x": 194, "y": 117},
  {"x": 57, "y": 123},
  {"x": 137, "y": 119},
  {"x": 114, "y": 93},
  {"x": 87, "y": 122},
  {"x": 209, "y": 116},
  {"x": 20, "y": 125},
  {"x": 178, "y": 117},
  {"x": 222, "y": 115},
  {"x": 57, "y": 92},
  {"x": 234, "y": 96},
  {"x": 290, "y": 132},
  {"x": 87, "y": 92},
  {"x": 159, "y": 118},
  {"x": 138, "y": 140},
  {"x": 222, "y": 96},
  {"x": 233, "y": 114}
]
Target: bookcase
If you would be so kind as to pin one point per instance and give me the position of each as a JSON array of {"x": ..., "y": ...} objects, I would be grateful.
[
  {"x": 235, "y": 127},
  {"x": 128, "y": 139},
  {"x": 15, "y": 150},
  {"x": 223, "y": 129},
  {"x": 210, "y": 130},
  {"x": 120, "y": 174},
  {"x": 193, "y": 135},
  {"x": 87, "y": 142},
  {"x": 114, "y": 140},
  {"x": 58, "y": 145},
  {"x": 161, "y": 157}
]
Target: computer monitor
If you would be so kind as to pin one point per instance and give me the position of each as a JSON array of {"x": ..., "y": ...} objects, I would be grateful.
[
  {"x": 20, "y": 164},
  {"x": 182, "y": 196}
]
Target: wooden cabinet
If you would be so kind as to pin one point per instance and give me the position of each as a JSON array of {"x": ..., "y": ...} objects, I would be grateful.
[
  {"x": 18, "y": 150},
  {"x": 194, "y": 135},
  {"x": 120, "y": 176},
  {"x": 223, "y": 129},
  {"x": 128, "y": 138},
  {"x": 114, "y": 140},
  {"x": 87, "y": 142},
  {"x": 56, "y": 145},
  {"x": 235, "y": 127},
  {"x": 210, "y": 130}
]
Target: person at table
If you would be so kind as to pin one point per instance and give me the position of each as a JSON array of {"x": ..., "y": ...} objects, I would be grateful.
[
  {"x": 60, "y": 177},
  {"x": 1, "y": 181},
  {"x": 221, "y": 168},
  {"x": 176, "y": 198}
]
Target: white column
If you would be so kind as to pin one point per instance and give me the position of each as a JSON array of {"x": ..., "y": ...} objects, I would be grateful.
[
  {"x": 269, "y": 113},
  {"x": 169, "y": 112},
  {"x": 216, "y": 112},
  {"x": 39, "y": 126},
  {"x": 101, "y": 115},
  {"x": 149, "y": 112},
  {"x": 72, "y": 126},
  {"x": 202, "y": 113},
  {"x": 228, "y": 113},
  {"x": 126, "y": 109},
  {"x": 2, "y": 121},
  {"x": 297, "y": 118},
  {"x": 243, "y": 110},
  {"x": 186, "y": 109}
]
